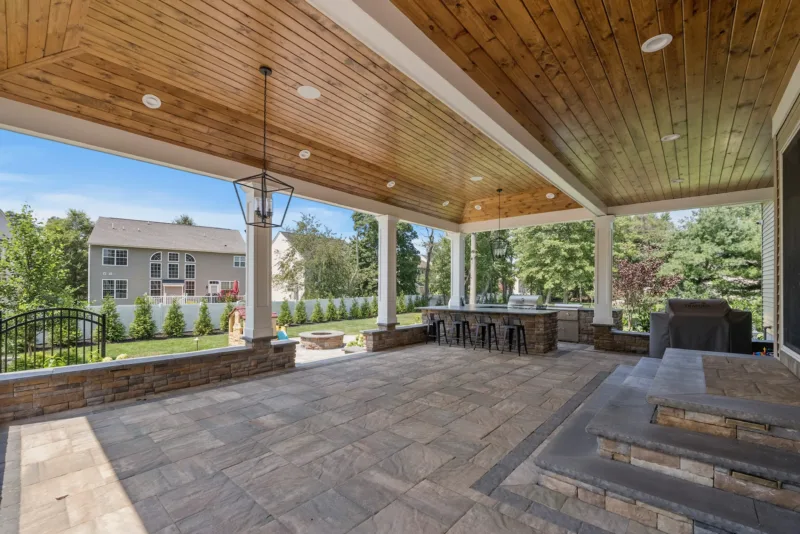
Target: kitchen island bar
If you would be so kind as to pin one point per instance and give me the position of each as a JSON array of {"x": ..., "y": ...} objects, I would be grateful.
[{"x": 541, "y": 326}]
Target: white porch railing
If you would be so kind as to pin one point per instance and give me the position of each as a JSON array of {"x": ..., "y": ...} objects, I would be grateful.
[{"x": 184, "y": 299}]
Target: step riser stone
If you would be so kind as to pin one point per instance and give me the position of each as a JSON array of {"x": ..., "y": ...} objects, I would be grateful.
[
  {"x": 783, "y": 494},
  {"x": 776, "y": 437}
]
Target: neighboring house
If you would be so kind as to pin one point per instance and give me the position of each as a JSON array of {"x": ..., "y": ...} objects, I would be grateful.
[
  {"x": 4, "y": 231},
  {"x": 128, "y": 258}
]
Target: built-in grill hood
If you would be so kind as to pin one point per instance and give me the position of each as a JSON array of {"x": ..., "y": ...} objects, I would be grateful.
[{"x": 523, "y": 301}]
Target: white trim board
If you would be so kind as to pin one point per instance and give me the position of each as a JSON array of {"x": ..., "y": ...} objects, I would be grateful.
[
  {"x": 387, "y": 31},
  {"x": 38, "y": 122},
  {"x": 787, "y": 101},
  {"x": 521, "y": 221},
  {"x": 751, "y": 196}
]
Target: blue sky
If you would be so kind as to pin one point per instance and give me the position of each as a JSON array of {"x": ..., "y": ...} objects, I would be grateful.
[{"x": 53, "y": 177}]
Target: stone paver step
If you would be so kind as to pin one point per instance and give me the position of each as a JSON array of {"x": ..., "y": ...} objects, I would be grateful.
[{"x": 573, "y": 453}]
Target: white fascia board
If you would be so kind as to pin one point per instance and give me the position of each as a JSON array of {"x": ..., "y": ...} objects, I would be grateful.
[
  {"x": 787, "y": 101},
  {"x": 387, "y": 31},
  {"x": 750, "y": 196},
  {"x": 38, "y": 122},
  {"x": 521, "y": 221}
]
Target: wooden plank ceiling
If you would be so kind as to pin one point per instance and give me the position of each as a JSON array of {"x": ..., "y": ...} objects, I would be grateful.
[
  {"x": 95, "y": 59},
  {"x": 573, "y": 74}
]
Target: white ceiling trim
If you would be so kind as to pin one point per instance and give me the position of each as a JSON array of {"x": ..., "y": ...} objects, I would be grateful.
[
  {"x": 787, "y": 101},
  {"x": 521, "y": 221},
  {"x": 386, "y": 30},
  {"x": 31, "y": 120},
  {"x": 750, "y": 196}
]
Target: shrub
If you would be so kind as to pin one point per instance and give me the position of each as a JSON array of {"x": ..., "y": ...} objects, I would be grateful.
[
  {"x": 330, "y": 311},
  {"x": 316, "y": 314},
  {"x": 123, "y": 357},
  {"x": 373, "y": 307},
  {"x": 203, "y": 326},
  {"x": 355, "y": 310},
  {"x": 342, "y": 313},
  {"x": 366, "y": 309},
  {"x": 285, "y": 315},
  {"x": 143, "y": 325},
  {"x": 115, "y": 330},
  {"x": 226, "y": 313},
  {"x": 174, "y": 322},
  {"x": 300, "y": 312},
  {"x": 359, "y": 341},
  {"x": 108, "y": 359},
  {"x": 401, "y": 304}
]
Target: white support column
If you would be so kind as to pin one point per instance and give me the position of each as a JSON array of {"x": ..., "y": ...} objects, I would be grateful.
[
  {"x": 456, "y": 268},
  {"x": 387, "y": 271},
  {"x": 603, "y": 269},
  {"x": 473, "y": 270},
  {"x": 258, "y": 323}
]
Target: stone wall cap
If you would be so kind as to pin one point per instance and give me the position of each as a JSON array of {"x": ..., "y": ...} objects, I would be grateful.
[
  {"x": 117, "y": 364},
  {"x": 284, "y": 342},
  {"x": 630, "y": 333},
  {"x": 404, "y": 327}
]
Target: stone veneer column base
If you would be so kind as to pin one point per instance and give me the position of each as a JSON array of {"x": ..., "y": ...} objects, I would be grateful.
[
  {"x": 607, "y": 337},
  {"x": 392, "y": 336},
  {"x": 44, "y": 391}
]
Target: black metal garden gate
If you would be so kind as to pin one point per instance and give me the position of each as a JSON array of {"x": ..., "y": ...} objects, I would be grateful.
[{"x": 51, "y": 337}]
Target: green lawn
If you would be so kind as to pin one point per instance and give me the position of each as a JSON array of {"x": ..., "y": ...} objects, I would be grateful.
[
  {"x": 353, "y": 326},
  {"x": 157, "y": 347}
]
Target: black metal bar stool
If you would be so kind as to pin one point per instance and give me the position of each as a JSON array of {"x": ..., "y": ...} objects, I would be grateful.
[
  {"x": 514, "y": 331},
  {"x": 459, "y": 330},
  {"x": 484, "y": 328},
  {"x": 439, "y": 328}
]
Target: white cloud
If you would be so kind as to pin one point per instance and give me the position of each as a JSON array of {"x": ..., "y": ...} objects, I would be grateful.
[{"x": 10, "y": 177}]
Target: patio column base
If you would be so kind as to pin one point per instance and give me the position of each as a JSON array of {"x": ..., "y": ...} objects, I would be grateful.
[{"x": 387, "y": 326}]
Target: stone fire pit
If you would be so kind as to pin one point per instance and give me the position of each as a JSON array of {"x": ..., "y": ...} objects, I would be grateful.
[{"x": 322, "y": 340}]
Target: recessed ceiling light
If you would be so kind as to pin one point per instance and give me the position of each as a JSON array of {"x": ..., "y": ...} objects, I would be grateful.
[
  {"x": 670, "y": 137},
  {"x": 151, "y": 101},
  {"x": 306, "y": 91},
  {"x": 656, "y": 43},
  {"x": 446, "y": 203},
  {"x": 677, "y": 181},
  {"x": 390, "y": 184},
  {"x": 478, "y": 207},
  {"x": 476, "y": 178},
  {"x": 550, "y": 196},
  {"x": 305, "y": 154}
]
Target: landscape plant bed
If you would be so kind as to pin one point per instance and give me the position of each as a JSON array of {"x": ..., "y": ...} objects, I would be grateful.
[{"x": 352, "y": 326}]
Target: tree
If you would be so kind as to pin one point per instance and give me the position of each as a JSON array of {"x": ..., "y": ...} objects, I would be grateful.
[
  {"x": 355, "y": 310},
  {"x": 330, "y": 310},
  {"x": 440, "y": 268},
  {"x": 317, "y": 315},
  {"x": 226, "y": 313},
  {"x": 71, "y": 235},
  {"x": 184, "y": 219},
  {"x": 373, "y": 306},
  {"x": 174, "y": 322},
  {"x": 429, "y": 245},
  {"x": 32, "y": 274},
  {"x": 556, "y": 258},
  {"x": 115, "y": 330},
  {"x": 366, "y": 309},
  {"x": 143, "y": 325},
  {"x": 203, "y": 326},
  {"x": 640, "y": 286},
  {"x": 341, "y": 312},
  {"x": 317, "y": 261},
  {"x": 285, "y": 315},
  {"x": 366, "y": 253},
  {"x": 300, "y": 316},
  {"x": 400, "y": 304}
]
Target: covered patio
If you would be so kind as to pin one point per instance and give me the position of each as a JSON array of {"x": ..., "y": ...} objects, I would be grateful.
[{"x": 420, "y": 112}]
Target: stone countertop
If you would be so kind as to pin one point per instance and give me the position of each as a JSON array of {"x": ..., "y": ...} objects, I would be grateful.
[{"x": 481, "y": 309}]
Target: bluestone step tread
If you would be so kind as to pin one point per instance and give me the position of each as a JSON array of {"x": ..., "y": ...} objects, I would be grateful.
[
  {"x": 680, "y": 383},
  {"x": 573, "y": 453}
]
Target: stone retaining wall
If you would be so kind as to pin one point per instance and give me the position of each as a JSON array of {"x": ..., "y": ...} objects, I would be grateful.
[
  {"x": 609, "y": 338},
  {"x": 777, "y": 492},
  {"x": 395, "y": 337},
  {"x": 43, "y": 391},
  {"x": 586, "y": 324}
]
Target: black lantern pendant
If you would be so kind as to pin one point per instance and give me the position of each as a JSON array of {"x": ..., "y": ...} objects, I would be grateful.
[
  {"x": 263, "y": 185},
  {"x": 499, "y": 243}
]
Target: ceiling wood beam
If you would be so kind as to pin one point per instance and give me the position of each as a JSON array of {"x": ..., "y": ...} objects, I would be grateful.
[{"x": 37, "y": 63}]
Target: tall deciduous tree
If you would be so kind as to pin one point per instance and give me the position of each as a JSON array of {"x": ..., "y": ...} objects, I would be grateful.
[
  {"x": 640, "y": 287},
  {"x": 33, "y": 273},
  {"x": 184, "y": 219},
  {"x": 365, "y": 245},
  {"x": 71, "y": 234}
]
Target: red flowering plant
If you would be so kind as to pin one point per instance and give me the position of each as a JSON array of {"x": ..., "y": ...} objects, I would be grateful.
[{"x": 641, "y": 288}]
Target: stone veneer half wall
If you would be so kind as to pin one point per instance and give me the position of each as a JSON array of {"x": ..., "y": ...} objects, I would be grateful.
[
  {"x": 43, "y": 391},
  {"x": 382, "y": 339},
  {"x": 607, "y": 337}
]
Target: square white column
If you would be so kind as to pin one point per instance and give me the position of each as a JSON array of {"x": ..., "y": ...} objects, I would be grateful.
[
  {"x": 387, "y": 271},
  {"x": 456, "y": 268},
  {"x": 603, "y": 269},
  {"x": 258, "y": 323},
  {"x": 473, "y": 270}
]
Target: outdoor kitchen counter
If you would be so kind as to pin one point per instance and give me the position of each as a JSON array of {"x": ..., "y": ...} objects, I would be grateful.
[{"x": 541, "y": 326}]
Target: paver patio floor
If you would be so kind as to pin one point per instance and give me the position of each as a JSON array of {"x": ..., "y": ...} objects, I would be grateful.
[{"x": 383, "y": 443}]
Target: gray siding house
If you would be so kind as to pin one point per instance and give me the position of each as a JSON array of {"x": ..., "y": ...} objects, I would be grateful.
[{"x": 166, "y": 261}]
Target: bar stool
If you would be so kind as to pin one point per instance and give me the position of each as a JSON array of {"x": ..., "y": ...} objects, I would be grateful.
[
  {"x": 514, "y": 330},
  {"x": 484, "y": 328},
  {"x": 459, "y": 330},
  {"x": 439, "y": 328}
]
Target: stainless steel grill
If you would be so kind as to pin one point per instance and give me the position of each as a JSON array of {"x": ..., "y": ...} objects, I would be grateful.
[{"x": 523, "y": 301}]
